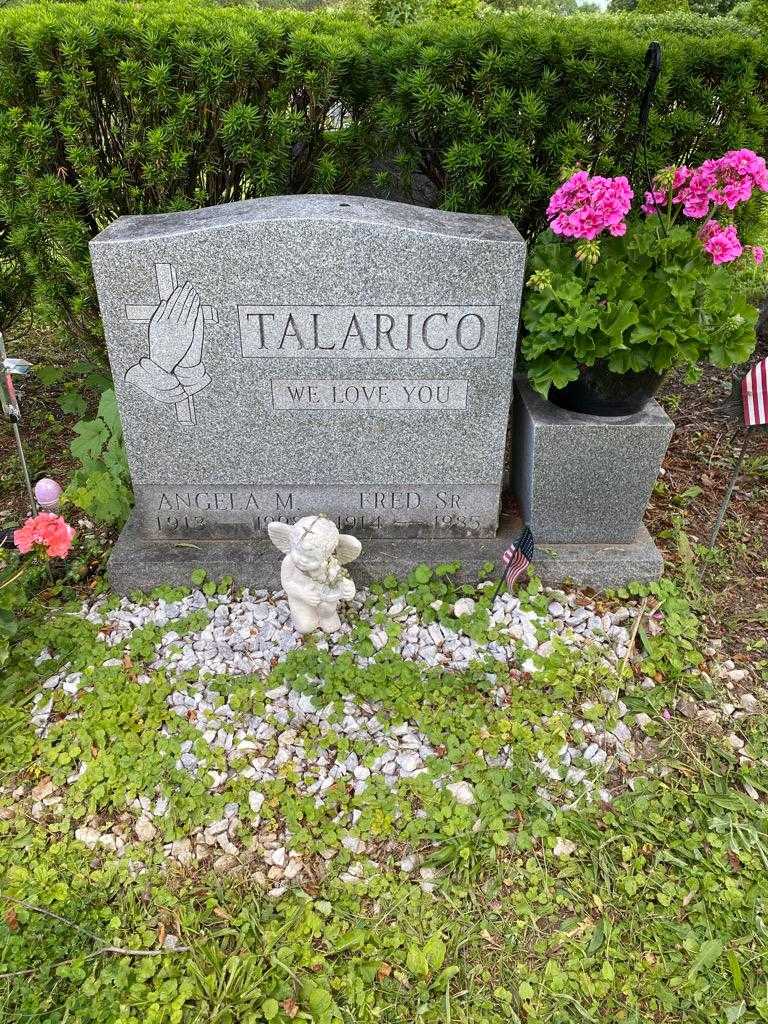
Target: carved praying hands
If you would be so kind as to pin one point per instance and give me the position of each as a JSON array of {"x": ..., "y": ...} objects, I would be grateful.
[
  {"x": 173, "y": 372},
  {"x": 171, "y": 329}
]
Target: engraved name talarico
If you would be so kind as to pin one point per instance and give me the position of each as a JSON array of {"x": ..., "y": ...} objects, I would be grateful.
[{"x": 365, "y": 332}]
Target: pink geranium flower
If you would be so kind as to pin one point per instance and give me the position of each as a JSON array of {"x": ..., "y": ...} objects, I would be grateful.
[
  {"x": 728, "y": 181},
  {"x": 46, "y": 531},
  {"x": 653, "y": 200},
  {"x": 584, "y": 207},
  {"x": 722, "y": 244}
]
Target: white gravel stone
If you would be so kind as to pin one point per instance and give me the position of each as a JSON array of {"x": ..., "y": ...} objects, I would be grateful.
[
  {"x": 738, "y": 675},
  {"x": 564, "y": 848},
  {"x": 278, "y": 857},
  {"x": 409, "y": 762},
  {"x": 461, "y": 792},
  {"x": 89, "y": 836},
  {"x": 255, "y": 801},
  {"x": 181, "y": 850},
  {"x": 353, "y": 844},
  {"x": 145, "y": 830},
  {"x": 622, "y": 732},
  {"x": 464, "y": 606},
  {"x": 379, "y": 638}
]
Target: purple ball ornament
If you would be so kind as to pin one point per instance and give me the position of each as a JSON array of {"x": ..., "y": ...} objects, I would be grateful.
[{"x": 47, "y": 493}]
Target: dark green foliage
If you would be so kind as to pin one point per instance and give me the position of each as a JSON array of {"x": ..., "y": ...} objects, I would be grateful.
[
  {"x": 674, "y": 309},
  {"x": 111, "y": 108},
  {"x": 101, "y": 486},
  {"x": 713, "y": 8}
]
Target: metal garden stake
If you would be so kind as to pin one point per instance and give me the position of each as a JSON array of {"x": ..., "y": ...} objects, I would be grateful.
[{"x": 15, "y": 368}]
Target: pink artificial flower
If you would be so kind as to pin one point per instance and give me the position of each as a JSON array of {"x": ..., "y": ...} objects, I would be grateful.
[
  {"x": 758, "y": 254},
  {"x": 45, "y": 530},
  {"x": 584, "y": 207},
  {"x": 723, "y": 245}
]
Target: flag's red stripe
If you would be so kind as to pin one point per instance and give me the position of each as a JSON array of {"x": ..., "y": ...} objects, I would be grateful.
[
  {"x": 757, "y": 382},
  {"x": 511, "y": 577},
  {"x": 745, "y": 399},
  {"x": 516, "y": 567},
  {"x": 762, "y": 391},
  {"x": 754, "y": 393}
]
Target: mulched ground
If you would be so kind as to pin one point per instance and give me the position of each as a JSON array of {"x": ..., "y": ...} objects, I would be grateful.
[
  {"x": 46, "y": 431},
  {"x": 707, "y": 439}
]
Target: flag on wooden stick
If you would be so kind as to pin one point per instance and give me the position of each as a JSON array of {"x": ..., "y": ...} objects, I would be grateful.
[
  {"x": 516, "y": 559},
  {"x": 754, "y": 395}
]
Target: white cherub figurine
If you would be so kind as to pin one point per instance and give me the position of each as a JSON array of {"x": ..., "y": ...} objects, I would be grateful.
[{"x": 313, "y": 573}]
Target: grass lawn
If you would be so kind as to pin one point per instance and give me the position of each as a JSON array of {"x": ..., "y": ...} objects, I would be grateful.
[{"x": 275, "y": 839}]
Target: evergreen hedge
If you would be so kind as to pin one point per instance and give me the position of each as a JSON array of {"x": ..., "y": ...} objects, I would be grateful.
[{"x": 110, "y": 108}]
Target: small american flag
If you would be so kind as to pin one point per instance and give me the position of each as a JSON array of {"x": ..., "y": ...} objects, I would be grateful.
[
  {"x": 518, "y": 557},
  {"x": 754, "y": 394}
]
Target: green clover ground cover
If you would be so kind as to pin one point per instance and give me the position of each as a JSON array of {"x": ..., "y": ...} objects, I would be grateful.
[{"x": 527, "y": 906}]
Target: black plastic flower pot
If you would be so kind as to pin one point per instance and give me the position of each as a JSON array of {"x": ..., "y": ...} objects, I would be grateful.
[{"x": 600, "y": 392}]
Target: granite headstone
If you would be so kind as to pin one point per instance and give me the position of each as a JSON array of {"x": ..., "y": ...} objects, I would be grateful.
[{"x": 308, "y": 354}]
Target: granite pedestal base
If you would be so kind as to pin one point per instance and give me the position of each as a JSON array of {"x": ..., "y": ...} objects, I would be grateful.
[
  {"x": 138, "y": 563},
  {"x": 584, "y": 480}
]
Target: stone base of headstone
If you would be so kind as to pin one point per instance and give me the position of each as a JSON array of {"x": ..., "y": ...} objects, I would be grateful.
[
  {"x": 138, "y": 563},
  {"x": 584, "y": 482}
]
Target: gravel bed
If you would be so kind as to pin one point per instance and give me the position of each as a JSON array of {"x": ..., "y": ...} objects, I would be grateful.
[{"x": 250, "y": 634}]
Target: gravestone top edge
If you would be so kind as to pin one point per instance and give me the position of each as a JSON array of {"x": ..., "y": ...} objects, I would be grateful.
[{"x": 338, "y": 209}]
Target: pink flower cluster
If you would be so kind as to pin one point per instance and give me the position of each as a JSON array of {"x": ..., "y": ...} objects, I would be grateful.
[
  {"x": 727, "y": 181},
  {"x": 45, "y": 530},
  {"x": 584, "y": 207},
  {"x": 722, "y": 243},
  {"x": 660, "y": 197}
]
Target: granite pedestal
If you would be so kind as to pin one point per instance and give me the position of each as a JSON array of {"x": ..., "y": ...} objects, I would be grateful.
[{"x": 585, "y": 481}]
